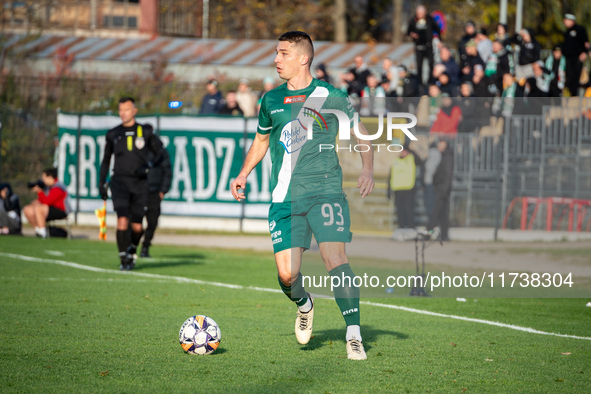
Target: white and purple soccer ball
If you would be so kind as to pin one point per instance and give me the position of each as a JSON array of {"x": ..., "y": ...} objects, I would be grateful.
[{"x": 200, "y": 335}]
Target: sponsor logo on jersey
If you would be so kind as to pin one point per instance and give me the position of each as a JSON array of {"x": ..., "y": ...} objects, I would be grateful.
[
  {"x": 293, "y": 136},
  {"x": 272, "y": 225},
  {"x": 276, "y": 110},
  {"x": 309, "y": 112},
  {"x": 276, "y": 234},
  {"x": 277, "y": 240},
  {"x": 341, "y": 229},
  {"x": 294, "y": 99}
]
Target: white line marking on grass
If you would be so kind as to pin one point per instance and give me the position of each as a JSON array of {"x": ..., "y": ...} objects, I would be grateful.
[
  {"x": 55, "y": 253},
  {"x": 238, "y": 287}
]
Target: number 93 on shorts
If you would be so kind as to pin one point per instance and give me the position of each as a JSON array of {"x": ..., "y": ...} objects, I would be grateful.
[{"x": 292, "y": 224}]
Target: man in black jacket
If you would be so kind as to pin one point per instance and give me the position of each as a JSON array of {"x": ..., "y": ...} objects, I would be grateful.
[
  {"x": 442, "y": 181},
  {"x": 10, "y": 211},
  {"x": 159, "y": 180},
  {"x": 131, "y": 144},
  {"x": 574, "y": 49},
  {"x": 421, "y": 28}
]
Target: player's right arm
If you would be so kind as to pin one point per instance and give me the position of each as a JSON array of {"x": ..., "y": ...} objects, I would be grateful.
[
  {"x": 257, "y": 150},
  {"x": 256, "y": 153}
]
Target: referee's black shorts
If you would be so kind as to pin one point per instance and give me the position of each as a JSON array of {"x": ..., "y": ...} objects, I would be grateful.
[{"x": 130, "y": 197}]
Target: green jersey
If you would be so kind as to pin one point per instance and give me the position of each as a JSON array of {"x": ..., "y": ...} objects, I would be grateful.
[{"x": 304, "y": 167}]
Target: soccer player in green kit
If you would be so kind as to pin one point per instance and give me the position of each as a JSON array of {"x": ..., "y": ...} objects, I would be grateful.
[{"x": 306, "y": 180}]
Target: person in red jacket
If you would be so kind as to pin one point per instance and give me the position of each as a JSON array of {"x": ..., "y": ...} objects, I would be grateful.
[
  {"x": 448, "y": 118},
  {"x": 51, "y": 203}
]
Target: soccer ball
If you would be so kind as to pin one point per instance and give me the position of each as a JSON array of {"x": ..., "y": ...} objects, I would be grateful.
[{"x": 200, "y": 335}]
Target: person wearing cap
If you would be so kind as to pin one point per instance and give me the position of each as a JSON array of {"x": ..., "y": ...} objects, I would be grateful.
[
  {"x": 421, "y": 28},
  {"x": 557, "y": 65},
  {"x": 213, "y": 100},
  {"x": 471, "y": 59},
  {"x": 575, "y": 49},
  {"x": 499, "y": 63},
  {"x": 470, "y": 33},
  {"x": 246, "y": 98}
]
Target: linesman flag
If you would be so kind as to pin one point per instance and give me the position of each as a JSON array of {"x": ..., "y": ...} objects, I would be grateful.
[{"x": 101, "y": 215}]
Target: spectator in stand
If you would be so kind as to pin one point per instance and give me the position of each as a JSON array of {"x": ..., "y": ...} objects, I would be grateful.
[
  {"x": 471, "y": 59},
  {"x": 481, "y": 84},
  {"x": 451, "y": 67},
  {"x": 422, "y": 28},
  {"x": 268, "y": 84},
  {"x": 502, "y": 35},
  {"x": 442, "y": 183},
  {"x": 373, "y": 98},
  {"x": 246, "y": 98},
  {"x": 468, "y": 105},
  {"x": 470, "y": 33},
  {"x": 10, "y": 211},
  {"x": 542, "y": 79},
  {"x": 322, "y": 74},
  {"x": 231, "y": 106},
  {"x": 402, "y": 182},
  {"x": 408, "y": 89},
  {"x": 213, "y": 100},
  {"x": 557, "y": 65},
  {"x": 445, "y": 85},
  {"x": 448, "y": 117},
  {"x": 507, "y": 99},
  {"x": 499, "y": 64},
  {"x": 529, "y": 52},
  {"x": 483, "y": 45},
  {"x": 575, "y": 49},
  {"x": 52, "y": 202},
  {"x": 386, "y": 66},
  {"x": 434, "y": 103},
  {"x": 360, "y": 73}
]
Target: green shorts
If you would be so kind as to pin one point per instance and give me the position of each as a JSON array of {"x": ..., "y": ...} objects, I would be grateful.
[{"x": 292, "y": 223}]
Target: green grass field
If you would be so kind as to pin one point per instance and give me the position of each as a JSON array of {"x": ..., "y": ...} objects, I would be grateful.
[{"x": 65, "y": 329}]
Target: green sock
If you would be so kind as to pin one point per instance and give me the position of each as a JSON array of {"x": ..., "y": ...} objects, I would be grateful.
[
  {"x": 346, "y": 294},
  {"x": 296, "y": 289}
]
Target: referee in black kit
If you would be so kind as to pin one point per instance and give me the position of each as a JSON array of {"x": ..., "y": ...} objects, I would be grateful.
[{"x": 131, "y": 143}]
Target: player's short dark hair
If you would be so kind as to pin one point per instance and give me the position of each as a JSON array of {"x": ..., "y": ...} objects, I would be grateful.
[
  {"x": 126, "y": 99},
  {"x": 52, "y": 172},
  {"x": 302, "y": 39}
]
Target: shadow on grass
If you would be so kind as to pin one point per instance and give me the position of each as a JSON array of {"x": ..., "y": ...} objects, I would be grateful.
[
  {"x": 370, "y": 335},
  {"x": 180, "y": 256},
  {"x": 163, "y": 262}
]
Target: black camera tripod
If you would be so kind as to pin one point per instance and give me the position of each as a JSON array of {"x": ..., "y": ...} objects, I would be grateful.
[{"x": 426, "y": 241}]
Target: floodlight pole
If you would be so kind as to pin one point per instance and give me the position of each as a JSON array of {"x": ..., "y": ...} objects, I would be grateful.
[
  {"x": 519, "y": 16},
  {"x": 205, "y": 25},
  {"x": 503, "y": 12}
]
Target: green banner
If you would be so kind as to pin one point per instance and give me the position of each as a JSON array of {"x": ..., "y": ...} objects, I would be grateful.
[{"x": 206, "y": 153}]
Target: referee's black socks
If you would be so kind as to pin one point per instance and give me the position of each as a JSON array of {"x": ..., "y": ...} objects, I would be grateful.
[
  {"x": 123, "y": 240},
  {"x": 136, "y": 238}
]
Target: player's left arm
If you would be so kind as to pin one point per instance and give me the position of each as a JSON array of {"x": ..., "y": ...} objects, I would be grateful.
[{"x": 365, "y": 182}]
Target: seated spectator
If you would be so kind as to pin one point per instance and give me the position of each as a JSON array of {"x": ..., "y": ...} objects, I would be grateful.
[
  {"x": 508, "y": 95},
  {"x": 448, "y": 117},
  {"x": 443, "y": 81},
  {"x": 322, "y": 74},
  {"x": 246, "y": 98},
  {"x": 212, "y": 101},
  {"x": 10, "y": 211},
  {"x": 451, "y": 67},
  {"x": 231, "y": 106},
  {"x": 502, "y": 35},
  {"x": 434, "y": 102},
  {"x": 541, "y": 80},
  {"x": 52, "y": 202},
  {"x": 408, "y": 89},
  {"x": 373, "y": 98},
  {"x": 386, "y": 66},
  {"x": 481, "y": 84},
  {"x": 499, "y": 64}
]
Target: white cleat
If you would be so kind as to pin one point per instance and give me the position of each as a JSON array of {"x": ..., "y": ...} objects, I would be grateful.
[
  {"x": 303, "y": 324},
  {"x": 355, "y": 350}
]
